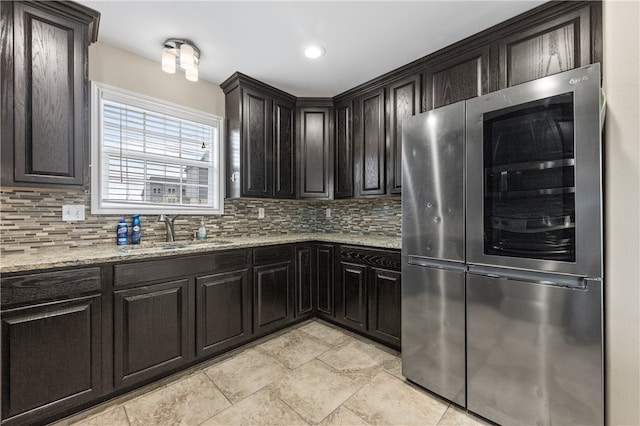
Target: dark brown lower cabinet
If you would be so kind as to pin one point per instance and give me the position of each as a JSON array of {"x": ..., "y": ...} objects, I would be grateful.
[
  {"x": 367, "y": 293},
  {"x": 223, "y": 311},
  {"x": 324, "y": 270},
  {"x": 273, "y": 296},
  {"x": 351, "y": 301},
  {"x": 51, "y": 358},
  {"x": 151, "y": 331},
  {"x": 70, "y": 337},
  {"x": 304, "y": 280},
  {"x": 384, "y": 305}
]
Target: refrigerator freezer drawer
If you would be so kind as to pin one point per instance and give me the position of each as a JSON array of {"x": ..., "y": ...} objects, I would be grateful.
[
  {"x": 534, "y": 352},
  {"x": 433, "y": 345}
]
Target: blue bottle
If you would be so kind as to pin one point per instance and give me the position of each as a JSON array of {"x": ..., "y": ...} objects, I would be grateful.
[
  {"x": 136, "y": 233},
  {"x": 122, "y": 233}
]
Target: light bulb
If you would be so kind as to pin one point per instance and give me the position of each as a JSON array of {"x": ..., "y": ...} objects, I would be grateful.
[
  {"x": 186, "y": 56},
  {"x": 314, "y": 52},
  {"x": 191, "y": 73},
  {"x": 168, "y": 60}
]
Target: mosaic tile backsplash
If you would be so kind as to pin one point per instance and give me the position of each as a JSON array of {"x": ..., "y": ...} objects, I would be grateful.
[{"x": 31, "y": 221}]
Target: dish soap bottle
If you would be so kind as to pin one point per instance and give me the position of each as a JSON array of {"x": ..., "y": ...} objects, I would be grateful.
[
  {"x": 122, "y": 233},
  {"x": 136, "y": 233},
  {"x": 202, "y": 231}
]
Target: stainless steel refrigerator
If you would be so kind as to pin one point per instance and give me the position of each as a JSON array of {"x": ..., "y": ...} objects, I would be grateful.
[{"x": 502, "y": 252}]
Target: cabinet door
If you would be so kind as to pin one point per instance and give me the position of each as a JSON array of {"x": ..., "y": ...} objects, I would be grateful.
[
  {"x": 51, "y": 358},
  {"x": 456, "y": 79},
  {"x": 352, "y": 299},
  {"x": 223, "y": 311},
  {"x": 549, "y": 47},
  {"x": 273, "y": 297},
  {"x": 344, "y": 151},
  {"x": 369, "y": 146},
  {"x": 49, "y": 99},
  {"x": 314, "y": 153},
  {"x": 284, "y": 151},
  {"x": 384, "y": 305},
  {"x": 257, "y": 150},
  {"x": 151, "y": 329},
  {"x": 324, "y": 279},
  {"x": 403, "y": 100},
  {"x": 304, "y": 280}
]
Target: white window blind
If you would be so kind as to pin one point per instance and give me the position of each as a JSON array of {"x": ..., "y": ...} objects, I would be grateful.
[{"x": 154, "y": 157}]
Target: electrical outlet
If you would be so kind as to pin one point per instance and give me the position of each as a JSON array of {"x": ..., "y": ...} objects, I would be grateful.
[
  {"x": 327, "y": 213},
  {"x": 73, "y": 212},
  {"x": 260, "y": 212}
]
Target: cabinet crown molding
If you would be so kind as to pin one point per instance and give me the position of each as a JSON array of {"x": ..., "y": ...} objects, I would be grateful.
[{"x": 240, "y": 79}]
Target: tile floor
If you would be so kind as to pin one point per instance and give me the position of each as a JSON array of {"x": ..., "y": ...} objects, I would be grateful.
[{"x": 310, "y": 374}]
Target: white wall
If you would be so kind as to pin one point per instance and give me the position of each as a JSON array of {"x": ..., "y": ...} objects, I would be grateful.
[
  {"x": 123, "y": 69},
  {"x": 621, "y": 73}
]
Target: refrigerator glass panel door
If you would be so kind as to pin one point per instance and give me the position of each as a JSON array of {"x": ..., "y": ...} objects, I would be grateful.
[
  {"x": 534, "y": 175},
  {"x": 433, "y": 339},
  {"x": 534, "y": 352},
  {"x": 529, "y": 180},
  {"x": 433, "y": 184}
]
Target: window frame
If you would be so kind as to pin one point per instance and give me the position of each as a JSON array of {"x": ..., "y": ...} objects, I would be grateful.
[{"x": 100, "y": 91}]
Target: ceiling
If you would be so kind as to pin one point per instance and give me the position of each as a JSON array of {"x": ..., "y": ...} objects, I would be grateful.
[{"x": 266, "y": 39}]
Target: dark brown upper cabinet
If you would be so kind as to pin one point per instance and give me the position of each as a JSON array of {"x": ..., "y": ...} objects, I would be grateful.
[
  {"x": 553, "y": 43},
  {"x": 343, "y": 181},
  {"x": 257, "y": 151},
  {"x": 456, "y": 79},
  {"x": 44, "y": 91},
  {"x": 369, "y": 145},
  {"x": 260, "y": 139},
  {"x": 403, "y": 100},
  {"x": 315, "y": 148},
  {"x": 284, "y": 141},
  {"x": 364, "y": 136}
]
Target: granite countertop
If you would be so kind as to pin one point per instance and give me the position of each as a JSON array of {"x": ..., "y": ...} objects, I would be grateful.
[{"x": 53, "y": 258}]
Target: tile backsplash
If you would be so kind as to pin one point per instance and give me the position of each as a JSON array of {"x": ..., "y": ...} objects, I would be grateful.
[{"x": 32, "y": 220}]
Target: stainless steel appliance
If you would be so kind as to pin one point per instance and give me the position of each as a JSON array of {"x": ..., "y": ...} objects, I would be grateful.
[
  {"x": 433, "y": 251},
  {"x": 502, "y": 252}
]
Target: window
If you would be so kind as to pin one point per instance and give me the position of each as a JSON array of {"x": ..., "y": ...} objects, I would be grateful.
[{"x": 150, "y": 156}]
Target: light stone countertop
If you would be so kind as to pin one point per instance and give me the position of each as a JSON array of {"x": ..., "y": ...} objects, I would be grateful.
[{"x": 53, "y": 258}]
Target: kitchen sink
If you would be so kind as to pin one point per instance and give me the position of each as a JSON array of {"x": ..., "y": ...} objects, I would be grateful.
[
  {"x": 175, "y": 245},
  {"x": 189, "y": 244}
]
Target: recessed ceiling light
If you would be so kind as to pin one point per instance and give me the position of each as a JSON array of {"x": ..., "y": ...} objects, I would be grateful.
[{"x": 314, "y": 52}]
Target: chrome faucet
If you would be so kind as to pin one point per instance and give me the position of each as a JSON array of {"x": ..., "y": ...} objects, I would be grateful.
[{"x": 168, "y": 223}]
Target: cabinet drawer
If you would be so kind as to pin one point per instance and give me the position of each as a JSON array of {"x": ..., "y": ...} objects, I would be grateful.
[
  {"x": 386, "y": 259},
  {"x": 46, "y": 286},
  {"x": 160, "y": 270},
  {"x": 272, "y": 254}
]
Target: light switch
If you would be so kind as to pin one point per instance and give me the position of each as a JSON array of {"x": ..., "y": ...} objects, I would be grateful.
[
  {"x": 327, "y": 213},
  {"x": 260, "y": 212},
  {"x": 73, "y": 212}
]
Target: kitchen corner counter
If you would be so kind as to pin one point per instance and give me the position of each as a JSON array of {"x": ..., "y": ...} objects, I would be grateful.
[{"x": 52, "y": 258}]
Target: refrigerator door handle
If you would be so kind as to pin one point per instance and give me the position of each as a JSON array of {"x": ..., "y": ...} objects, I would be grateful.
[
  {"x": 439, "y": 264},
  {"x": 570, "y": 281}
]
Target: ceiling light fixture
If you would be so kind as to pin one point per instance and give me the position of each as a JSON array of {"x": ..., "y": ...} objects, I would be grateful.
[
  {"x": 314, "y": 52},
  {"x": 181, "y": 52}
]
